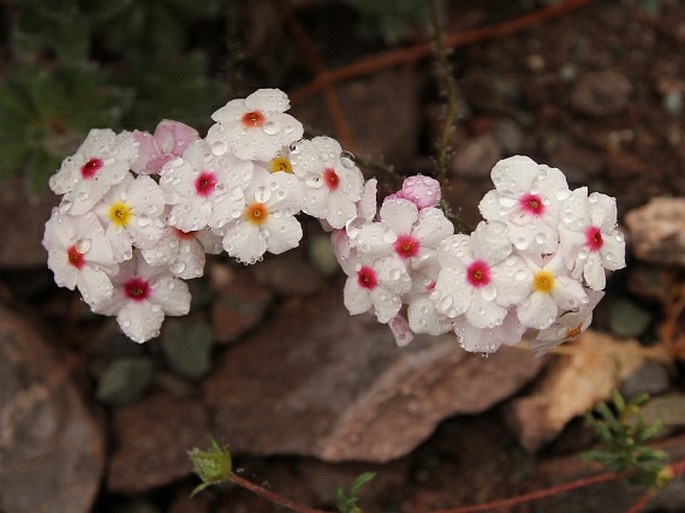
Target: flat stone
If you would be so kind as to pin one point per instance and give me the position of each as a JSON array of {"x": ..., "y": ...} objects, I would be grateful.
[
  {"x": 152, "y": 438},
  {"x": 22, "y": 223},
  {"x": 51, "y": 448},
  {"x": 476, "y": 157},
  {"x": 573, "y": 384},
  {"x": 338, "y": 388},
  {"x": 657, "y": 231}
]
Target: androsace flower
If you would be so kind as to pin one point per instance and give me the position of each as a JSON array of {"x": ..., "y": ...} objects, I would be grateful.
[
  {"x": 142, "y": 296},
  {"x": 552, "y": 293},
  {"x": 592, "y": 243},
  {"x": 80, "y": 255},
  {"x": 332, "y": 183},
  {"x": 423, "y": 191},
  {"x": 183, "y": 252},
  {"x": 204, "y": 189},
  {"x": 480, "y": 276},
  {"x": 132, "y": 213},
  {"x": 488, "y": 340},
  {"x": 527, "y": 196},
  {"x": 267, "y": 221},
  {"x": 255, "y": 128},
  {"x": 102, "y": 160},
  {"x": 170, "y": 139}
]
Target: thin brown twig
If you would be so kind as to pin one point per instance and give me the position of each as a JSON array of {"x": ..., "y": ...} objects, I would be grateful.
[
  {"x": 311, "y": 55},
  {"x": 419, "y": 51},
  {"x": 273, "y": 497}
]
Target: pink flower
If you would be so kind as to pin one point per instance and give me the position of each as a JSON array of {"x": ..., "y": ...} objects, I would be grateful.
[
  {"x": 169, "y": 140},
  {"x": 423, "y": 191}
]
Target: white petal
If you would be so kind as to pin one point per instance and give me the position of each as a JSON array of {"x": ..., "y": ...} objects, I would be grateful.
[
  {"x": 244, "y": 242},
  {"x": 140, "y": 321},
  {"x": 357, "y": 299},
  {"x": 538, "y": 311},
  {"x": 399, "y": 215},
  {"x": 282, "y": 234}
]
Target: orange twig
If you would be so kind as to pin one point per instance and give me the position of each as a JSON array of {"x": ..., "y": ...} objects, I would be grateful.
[
  {"x": 405, "y": 55},
  {"x": 342, "y": 128}
]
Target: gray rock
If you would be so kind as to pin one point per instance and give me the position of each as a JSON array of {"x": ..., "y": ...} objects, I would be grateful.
[
  {"x": 602, "y": 93},
  {"x": 125, "y": 380},
  {"x": 51, "y": 448},
  {"x": 338, "y": 388},
  {"x": 187, "y": 347},
  {"x": 628, "y": 320},
  {"x": 652, "y": 378}
]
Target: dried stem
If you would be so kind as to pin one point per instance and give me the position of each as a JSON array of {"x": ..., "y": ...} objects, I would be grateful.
[{"x": 273, "y": 497}]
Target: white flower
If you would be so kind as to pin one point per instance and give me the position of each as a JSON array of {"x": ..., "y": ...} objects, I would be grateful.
[
  {"x": 255, "y": 128},
  {"x": 332, "y": 183},
  {"x": 103, "y": 160},
  {"x": 527, "y": 197},
  {"x": 480, "y": 276},
  {"x": 488, "y": 340},
  {"x": 568, "y": 327},
  {"x": 204, "y": 189},
  {"x": 267, "y": 222},
  {"x": 171, "y": 138},
  {"x": 589, "y": 237},
  {"x": 378, "y": 284},
  {"x": 183, "y": 252},
  {"x": 552, "y": 292},
  {"x": 80, "y": 255},
  {"x": 132, "y": 213},
  {"x": 142, "y": 296}
]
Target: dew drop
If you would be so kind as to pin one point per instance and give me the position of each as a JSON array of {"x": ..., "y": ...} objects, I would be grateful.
[
  {"x": 82, "y": 245},
  {"x": 262, "y": 194},
  {"x": 272, "y": 127}
]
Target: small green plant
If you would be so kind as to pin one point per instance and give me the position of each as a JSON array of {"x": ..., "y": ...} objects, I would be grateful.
[
  {"x": 624, "y": 434},
  {"x": 213, "y": 466},
  {"x": 347, "y": 503}
]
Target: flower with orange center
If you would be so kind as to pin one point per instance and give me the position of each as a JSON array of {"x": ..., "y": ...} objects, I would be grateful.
[
  {"x": 253, "y": 119},
  {"x": 543, "y": 281},
  {"x": 257, "y": 213}
]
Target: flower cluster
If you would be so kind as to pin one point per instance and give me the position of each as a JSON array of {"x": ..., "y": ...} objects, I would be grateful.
[
  {"x": 139, "y": 212},
  {"x": 535, "y": 265}
]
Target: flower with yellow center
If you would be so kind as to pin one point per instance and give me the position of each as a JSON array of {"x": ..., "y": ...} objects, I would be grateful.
[
  {"x": 257, "y": 213},
  {"x": 280, "y": 163},
  {"x": 120, "y": 214},
  {"x": 543, "y": 281}
]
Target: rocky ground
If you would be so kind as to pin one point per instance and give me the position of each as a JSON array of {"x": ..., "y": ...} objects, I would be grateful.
[{"x": 307, "y": 397}]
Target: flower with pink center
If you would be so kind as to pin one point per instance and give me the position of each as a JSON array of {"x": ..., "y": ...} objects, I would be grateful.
[
  {"x": 170, "y": 140},
  {"x": 102, "y": 161},
  {"x": 254, "y": 128},
  {"x": 480, "y": 276},
  {"x": 184, "y": 252},
  {"x": 332, "y": 183},
  {"x": 590, "y": 239},
  {"x": 80, "y": 255},
  {"x": 423, "y": 191},
  {"x": 142, "y": 296},
  {"x": 204, "y": 189},
  {"x": 527, "y": 197},
  {"x": 422, "y": 314},
  {"x": 375, "y": 285}
]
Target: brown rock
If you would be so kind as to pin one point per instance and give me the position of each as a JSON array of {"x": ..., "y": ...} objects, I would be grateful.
[
  {"x": 289, "y": 274},
  {"x": 476, "y": 157},
  {"x": 22, "y": 223},
  {"x": 152, "y": 439},
  {"x": 573, "y": 384},
  {"x": 239, "y": 302},
  {"x": 622, "y": 165},
  {"x": 650, "y": 281},
  {"x": 602, "y": 93},
  {"x": 579, "y": 164},
  {"x": 338, "y": 388},
  {"x": 657, "y": 231},
  {"x": 51, "y": 449}
]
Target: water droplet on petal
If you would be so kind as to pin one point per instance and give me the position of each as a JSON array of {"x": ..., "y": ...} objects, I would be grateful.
[
  {"x": 272, "y": 127},
  {"x": 262, "y": 194},
  {"x": 82, "y": 245}
]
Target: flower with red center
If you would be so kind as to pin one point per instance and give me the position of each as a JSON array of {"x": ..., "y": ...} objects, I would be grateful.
[
  {"x": 366, "y": 277},
  {"x": 137, "y": 289},
  {"x": 330, "y": 178},
  {"x": 593, "y": 238},
  {"x": 407, "y": 246},
  {"x": 91, "y": 167},
  {"x": 532, "y": 203},
  {"x": 253, "y": 119},
  {"x": 75, "y": 258},
  {"x": 205, "y": 183},
  {"x": 478, "y": 274}
]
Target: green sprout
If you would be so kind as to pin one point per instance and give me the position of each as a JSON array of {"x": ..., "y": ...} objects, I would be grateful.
[
  {"x": 213, "y": 466},
  {"x": 347, "y": 503},
  {"x": 624, "y": 436}
]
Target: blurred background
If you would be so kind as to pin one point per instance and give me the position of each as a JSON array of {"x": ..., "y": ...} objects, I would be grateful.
[{"x": 268, "y": 360}]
